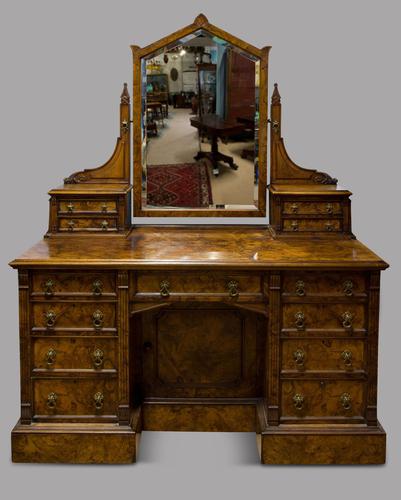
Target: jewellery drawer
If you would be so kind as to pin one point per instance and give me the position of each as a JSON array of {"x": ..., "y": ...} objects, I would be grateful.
[
  {"x": 77, "y": 315},
  {"x": 313, "y": 225},
  {"x": 234, "y": 286},
  {"x": 312, "y": 208},
  {"x": 322, "y": 398},
  {"x": 52, "y": 354},
  {"x": 303, "y": 317},
  {"x": 87, "y": 224},
  {"x": 87, "y": 206},
  {"x": 50, "y": 284},
  {"x": 79, "y": 397},
  {"x": 312, "y": 284},
  {"x": 304, "y": 355}
]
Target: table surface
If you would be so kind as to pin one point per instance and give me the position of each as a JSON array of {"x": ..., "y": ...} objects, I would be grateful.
[{"x": 215, "y": 123}]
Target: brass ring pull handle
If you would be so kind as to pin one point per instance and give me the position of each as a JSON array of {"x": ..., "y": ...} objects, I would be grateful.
[
  {"x": 51, "y": 400},
  {"x": 233, "y": 288},
  {"x": 97, "y": 356},
  {"x": 346, "y": 401},
  {"x": 97, "y": 319},
  {"x": 98, "y": 398},
  {"x": 294, "y": 225},
  {"x": 50, "y": 317},
  {"x": 49, "y": 288},
  {"x": 165, "y": 288},
  {"x": 294, "y": 208},
  {"x": 51, "y": 357},
  {"x": 71, "y": 225},
  {"x": 329, "y": 208},
  {"x": 104, "y": 225},
  {"x": 104, "y": 207},
  {"x": 299, "y": 358},
  {"x": 298, "y": 401},
  {"x": 97, "y": 288},
  {"x": 348, "y": 288},
  {"x": 300, "y": 320},
  {"x": 346, "y": 320},
  {"x": 70, "y": 206},
  {"x": 329, "y": 227},
  {"x": 346, "y": 356},
  {"x": 300, "y": 288}
]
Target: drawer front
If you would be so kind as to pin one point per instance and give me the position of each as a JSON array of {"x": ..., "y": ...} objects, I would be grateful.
[
  {"x": 322, "y": 355},
  {"x": 50, "y": 284},
  {"x": 57, "y": 397},
  {"x": 346, "y": 317},
  {"x": 57, "y": 353},
  {"x": 88, "y": 206},
  {"x": 313, "y": 225},
  {"x": 87, "y": 224},
  {"x": 170, "y": 284},
  {"x": 311, "y": 284},
  {"x": 312, "y": 208},
  {"x": 314, "y": 398},
  {"x": 64, "y": 315}
]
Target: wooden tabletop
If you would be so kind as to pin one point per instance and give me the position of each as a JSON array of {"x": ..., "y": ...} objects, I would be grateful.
[
  {"x": 239, "y": 247},
  {"x": 214, "y": 123}
]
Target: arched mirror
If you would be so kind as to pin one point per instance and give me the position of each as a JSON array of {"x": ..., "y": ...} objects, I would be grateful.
[{"x": 200, "y": 124}]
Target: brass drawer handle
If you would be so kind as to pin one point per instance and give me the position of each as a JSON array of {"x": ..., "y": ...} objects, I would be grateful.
[
  {"x": 300, "y": 288},
  {"x": 98, "y": 398},
  {"x": 97, "y": 319},
  {"x": 346, "y": 401},
  {"x": 329, "y": 208},
  {"x": 348, "y": 288},
  {"x": 346, "y": 356},
  {"x": 51, "y": 400},
  {"x": 233, "y": 288},
  {"x": 294, "y": 225},
  {"x": 346, "y": 320},
  {"x": 298, "y": 401},
  {"x": 49, "y": 288},
  {"x": 165, "y": 288},
  {"x": 104, "y": 207},
  {"x": 294, "y": 208},
  {"x": 70, "y": 207},
  {"x": 97, "y": 356},
  {"x": 104, "y": 225},
  {"x": 97, "y": 288},
  {"x": 299, "y": 358},
  {"x": 51, "y": 357},
  {"x": 329, "y": 227},
  {"x": 71, "y": 225},
  {"x": 300, "y": 320},
  {"x": 50, "y": 317}
]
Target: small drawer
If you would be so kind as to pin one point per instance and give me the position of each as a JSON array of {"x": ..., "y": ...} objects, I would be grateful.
[
  {"x": 53, "y": 284},
  {"x": 76, "y": 315},
  {"x": 312, "y": 284},
  {"x": 312, "y": 208},
  {"x": 322, "y": 355},
  {"x": 69, "y": 398},
  {"x": 304, "y": 317},
  {"x": 322, "y": 398},
  {"x": 83, "y": 224},
  {"x": 312, "y": 225},
  {"x": 87, "y": 206},
  {"x": 54, "y": 354},
  {"x": 236, "y": 286}
]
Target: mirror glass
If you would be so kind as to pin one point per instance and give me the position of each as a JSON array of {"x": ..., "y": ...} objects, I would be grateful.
[{"x": 199, "y": 125}]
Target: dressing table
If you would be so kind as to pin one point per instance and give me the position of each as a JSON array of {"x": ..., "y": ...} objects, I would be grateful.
[{"x": 271, "y": 329}]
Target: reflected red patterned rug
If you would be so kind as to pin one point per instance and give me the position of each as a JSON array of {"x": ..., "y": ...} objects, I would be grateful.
[{"x": 186, "y": 185}]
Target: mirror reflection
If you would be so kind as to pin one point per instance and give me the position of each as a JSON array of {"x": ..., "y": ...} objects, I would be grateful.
[{"x": 200, "y": 126}]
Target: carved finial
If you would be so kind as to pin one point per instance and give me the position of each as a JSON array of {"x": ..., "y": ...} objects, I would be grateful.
[
  {"x": 200, "y": 20},
  {"x": 125, "y": 95},
  {"x": 276, "y": 97}
]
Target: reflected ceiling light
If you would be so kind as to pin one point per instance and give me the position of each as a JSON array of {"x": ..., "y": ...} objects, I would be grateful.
[{"x": 182, "y": 52}]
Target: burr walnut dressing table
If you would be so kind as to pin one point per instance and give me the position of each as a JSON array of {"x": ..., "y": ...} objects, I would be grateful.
[{"x": 271, "y": 329}]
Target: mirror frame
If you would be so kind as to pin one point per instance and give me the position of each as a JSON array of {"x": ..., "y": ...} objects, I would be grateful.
[{"x": 138, "y": 53}]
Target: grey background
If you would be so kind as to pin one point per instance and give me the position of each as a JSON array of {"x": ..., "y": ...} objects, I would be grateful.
[{"x": 62, "y": 69}]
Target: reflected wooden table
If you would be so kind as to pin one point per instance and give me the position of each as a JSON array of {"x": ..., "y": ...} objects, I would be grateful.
[{"x": 216, "y": 127}]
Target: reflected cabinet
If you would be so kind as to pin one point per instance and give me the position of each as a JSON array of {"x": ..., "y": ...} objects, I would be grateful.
[{"x": 270, "y": 328}]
